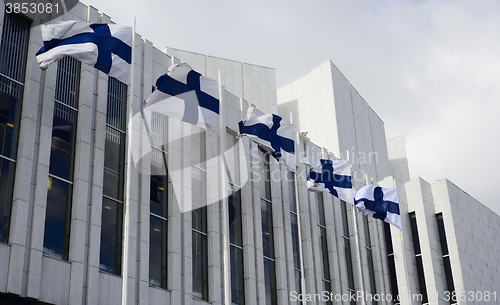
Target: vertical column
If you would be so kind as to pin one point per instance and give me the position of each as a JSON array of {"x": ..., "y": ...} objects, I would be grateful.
[
  {"x": 214, "y": 234},
  {"x": 144, "y": 187},
  {"x": 41, "y": 176},
  {"x": 179, "y": 254},
  {"x": 259, "y": 265},
  {"x": 248, "y": 221},
  {"x": 279, "y": 236},
  {"x": 23, "y": 212},
  {"x": 98, "y": 82}
]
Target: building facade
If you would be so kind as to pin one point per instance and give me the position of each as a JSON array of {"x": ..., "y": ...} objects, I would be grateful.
[{"x": 206, "y": 217}]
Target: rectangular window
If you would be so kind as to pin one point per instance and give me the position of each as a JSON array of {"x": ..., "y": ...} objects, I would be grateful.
[
  {"x": 62, "y": 158},
  {"x": 418, "y": 257},
  {"x": 295, "y": 230},
  {"x": 369, "y": 257},
  {"x": 235, "y": 221},
  {"x": 199, "y": 213},
  {"x": 158, "y": 198},
  {"x": 324, "y": 244},
  {"x": 446, "y": 255},
  {"x": 267, "y": 230},
  {"x": 13, "y": 53},
  {"x": 114, "y": 175},
  {"x": 391, "y": 262},
  {"x": 347, "y": 250}
]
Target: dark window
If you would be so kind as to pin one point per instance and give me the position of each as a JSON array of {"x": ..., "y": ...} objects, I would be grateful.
[
  {"x": 235, "y": 221},
  {"x": 158, "y": 196},
  {"x": 327, "y": 286},
  {"x": 369, "y": 257},
  {"x": 62, "y": 158},
  {"x": 13, "y": 52},
  {"x": 418, "y": 257},
  {"x": 199, "y": 213},
  {"x": 294, "y": 219},
  {"x": 446, "y": 255},
  {"x": 391, "y": 262},
  {"x": 347, "y": 250},
  {"x": 267, "y": 231},
  {"x": 114, "y": 175}
]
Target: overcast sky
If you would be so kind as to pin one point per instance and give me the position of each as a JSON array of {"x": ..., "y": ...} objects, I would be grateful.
[{"x": 429, "y": 69}]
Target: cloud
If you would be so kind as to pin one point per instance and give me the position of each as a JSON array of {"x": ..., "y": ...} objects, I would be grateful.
[{"x": 428, "y": 68}]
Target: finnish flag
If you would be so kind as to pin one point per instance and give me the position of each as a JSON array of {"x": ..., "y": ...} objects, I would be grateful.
[
  {"x": 107, "y": 47},
  {"x": 185, "y": 94},
  {"x": 333, "y": 176},
  {"x": 273, "y": 133},
  {"x": 378, "y": 202}
]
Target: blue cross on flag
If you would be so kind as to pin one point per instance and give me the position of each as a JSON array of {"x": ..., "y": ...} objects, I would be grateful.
[
  {"x": 273, "y": 133},
  {"x": 187, "y": 95},
  {"x": 107, "y": 47},
  {"x": 380, "y": 203},
  {"x": 333, "y": 176}
]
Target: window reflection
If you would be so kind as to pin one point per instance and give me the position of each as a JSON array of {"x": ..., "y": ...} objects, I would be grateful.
[
  {"x": 13, "y": 50},
  {"x": 114, "y": 171},
  {"x": 62, "y": 157}
]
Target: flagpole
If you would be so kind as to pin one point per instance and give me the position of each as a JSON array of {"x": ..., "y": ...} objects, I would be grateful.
[
  {"x": 297, "y": 207},
  {"x": 127, "y": 222},
  {"x": 356, "y": 237},
  {"x": 223, "y": 189}
]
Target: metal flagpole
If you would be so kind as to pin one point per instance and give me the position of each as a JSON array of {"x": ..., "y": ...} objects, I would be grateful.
[
  {"x": 223, "y": 189},
  {"x": 126, "y": 233},
  {"x": 297, "y": 207},
  {"x": 356, "y": 237}
]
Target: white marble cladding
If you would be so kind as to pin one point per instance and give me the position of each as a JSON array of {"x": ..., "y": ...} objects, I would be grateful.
[
  {"x": 336, "y": 116},
  {"x": 396, "y": 148}
]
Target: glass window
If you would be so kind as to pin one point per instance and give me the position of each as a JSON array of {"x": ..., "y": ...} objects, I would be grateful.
[
  {"x": 200, "y": 266},
  {"x": 7, "y": 171},
  {"x": 13, "y": 53},
  {"x": 114, "y": 163},
  {"x": 369, "y": 256},
  {"x": 62, "y": 158},
  {"x": 158, "y": 252},
  {"x": 347, "y": 248},
  {"x": 418, "y": 257},
  {"x": 267, "y": 230},
  {"x": 235, "y": 221},
  {"x": 237, "y": 276},
  {"x": 158, "y": 196},
  {"x": 111, "y": 236},
  {"x": 446, "y": 256},
  {"x": 199, "y": 213},
  {"x": 270, "y": 282},
  {"x": 57, "y": 219},
  {"x": 235, "y": 233},
  {"x": 390, "y": 261},
  {"x": 265, "y": 176},
  {"x": 295, "y": 241},
  {"x": 113, "y": 184}
]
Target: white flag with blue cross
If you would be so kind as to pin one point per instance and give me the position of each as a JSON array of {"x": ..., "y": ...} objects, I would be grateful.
[{"x": 107, "y": 47}]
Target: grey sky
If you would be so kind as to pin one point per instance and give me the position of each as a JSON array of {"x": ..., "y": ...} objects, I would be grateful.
[{"x": 429, "y": 69}]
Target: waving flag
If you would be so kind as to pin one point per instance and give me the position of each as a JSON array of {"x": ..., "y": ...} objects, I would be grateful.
[
  {"x": 107, "y": 47},
  {"x": 380, "y": 203},
  {"x": 185, "y": 94},
  {"x": 332, "y": 176},
  {"x": 273, "y": 133}
]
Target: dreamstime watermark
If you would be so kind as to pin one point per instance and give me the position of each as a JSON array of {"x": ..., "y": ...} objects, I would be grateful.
[{"x": 327, "y": 296}]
